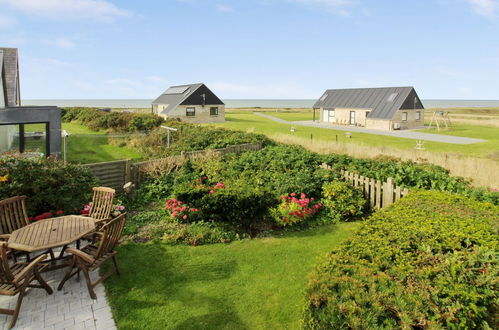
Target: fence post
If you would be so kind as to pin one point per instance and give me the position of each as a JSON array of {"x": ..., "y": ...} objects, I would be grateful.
[
  {"x": 372, "y": 193},
  {"x": 127, "y": 170},
  {"x": 378, "y": 194},
  {"x": 388, "y": 193}
]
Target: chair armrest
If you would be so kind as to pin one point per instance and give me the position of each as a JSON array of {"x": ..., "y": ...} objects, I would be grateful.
[
  {"x": 4, "y": 236},
  {"x": 29, "y": 268},
  {"x": 81, "y": 254}
]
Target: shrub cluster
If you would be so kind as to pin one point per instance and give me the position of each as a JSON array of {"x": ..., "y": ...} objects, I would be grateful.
[
  {"x": 242, "y": 207},
  {"x": 50, "y": 185},
  {"x": 98, "y": 120},
  {"x": 428, "y": 261},
  {"x": 190, "y": 137},
  {"x": 342, "y": 201},
  {"x": 295, "y": 209}
]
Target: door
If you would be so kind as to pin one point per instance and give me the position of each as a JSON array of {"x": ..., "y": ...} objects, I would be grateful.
[
  {"x": 352, "y": 117},
  {"x": 325, "y": 116}
]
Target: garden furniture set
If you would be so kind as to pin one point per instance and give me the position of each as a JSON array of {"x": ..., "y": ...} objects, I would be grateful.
[{"x": 20, "y": 238}]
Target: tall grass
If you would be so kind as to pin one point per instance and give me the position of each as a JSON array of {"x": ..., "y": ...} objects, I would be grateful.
[{"x": 482, "y": 172}]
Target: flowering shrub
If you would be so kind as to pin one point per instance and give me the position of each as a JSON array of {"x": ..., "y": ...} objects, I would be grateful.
[
  {"x": 240, "y": 206},
  {"x": 293, "y": 210},
  {"x": 48, "y": 183},
  {"x": 46, "y": 215},
  {"x": 180, "y": 211},
  {"x": 117, "y": 209},
  {"x": 342, "y": 201}
]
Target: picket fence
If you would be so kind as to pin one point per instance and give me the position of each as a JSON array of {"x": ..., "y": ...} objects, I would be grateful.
[
  {"x": 379, "y": 194},
  {"x": 116, "y": 173}
]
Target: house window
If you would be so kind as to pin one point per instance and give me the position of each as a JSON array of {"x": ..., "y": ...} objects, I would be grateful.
[
  {"x": 190, "y": 112},
  {"x": 214, "y": 111},
  {"x": 418, "y": 115},
  {"x": 404, "y": 116}
]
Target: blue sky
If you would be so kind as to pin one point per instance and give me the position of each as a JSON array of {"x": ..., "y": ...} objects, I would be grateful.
[{"x": 76, "y": 49}]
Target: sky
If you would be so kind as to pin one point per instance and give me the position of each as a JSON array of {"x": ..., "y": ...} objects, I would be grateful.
[{"x": 243, "y": 49}]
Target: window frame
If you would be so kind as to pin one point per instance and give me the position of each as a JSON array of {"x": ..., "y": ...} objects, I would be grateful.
[
  {"x": 404, "y": 116},
  {"x": 216, "y": 110},
  {"x": 190, "y": 113},
  {"x": 418, "y": 115}
]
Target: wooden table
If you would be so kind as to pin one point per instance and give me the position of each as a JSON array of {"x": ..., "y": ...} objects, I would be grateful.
[{"x": 50, "y": 233}]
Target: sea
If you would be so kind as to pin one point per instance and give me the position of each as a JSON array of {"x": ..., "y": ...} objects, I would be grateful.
[{"x": 244, "y": 103}]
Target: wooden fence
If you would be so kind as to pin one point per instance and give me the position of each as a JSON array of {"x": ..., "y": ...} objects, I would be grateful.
[
  {"x": 111, "y": 174},
  {"x": 380, "y": 194},
  {"x": 115, "y": 174}
]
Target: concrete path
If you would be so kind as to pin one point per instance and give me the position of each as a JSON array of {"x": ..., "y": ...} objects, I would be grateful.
[
  {"x": 71, "y": 308},
  {"x": 406, "y": 134}
]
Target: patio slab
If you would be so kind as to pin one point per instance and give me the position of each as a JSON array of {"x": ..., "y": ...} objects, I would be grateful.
[{"x": 70, "y": 308}]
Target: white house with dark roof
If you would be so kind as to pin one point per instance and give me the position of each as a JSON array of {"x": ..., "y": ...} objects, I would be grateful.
[
  {"x": 194, "y": 103},
  {"x": 387, "y": 108}
]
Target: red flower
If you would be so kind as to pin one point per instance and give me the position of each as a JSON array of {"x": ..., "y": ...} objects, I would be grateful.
[
  {"x": 292, "y": 194},
  {"x": 60, "y": 212},
  {"x": 184, "y": 217}
]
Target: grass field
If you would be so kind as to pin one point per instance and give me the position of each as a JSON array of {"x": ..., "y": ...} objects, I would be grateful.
[
  {"x": 83, "y": 145},
  {"x": 248, "y": 121},
  {"x": 249, "y": 284}
]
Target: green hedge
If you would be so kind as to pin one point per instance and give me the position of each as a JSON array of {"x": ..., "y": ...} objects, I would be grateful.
[
  {"x": 98, "y": 120},
  {"x": 49, "y": 184},
  {"x": 428, "y": 261}
]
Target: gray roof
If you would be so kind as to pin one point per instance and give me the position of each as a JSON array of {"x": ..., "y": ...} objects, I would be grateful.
[
  {"x": 10, "y": 72},
  {"x": 384, "y": 101},
  {"x": 175, "y": 95}
]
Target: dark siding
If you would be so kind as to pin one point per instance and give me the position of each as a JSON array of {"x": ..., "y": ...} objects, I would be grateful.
[
  {"x": 412, "y": 101},
  {"x": 196, "y": 98}
]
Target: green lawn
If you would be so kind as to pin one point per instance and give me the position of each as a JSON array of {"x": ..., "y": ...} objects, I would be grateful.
[
  {"x": 249, "y": 284},
  {"x": 251, "y": 122},
  {"x": 293, "y": 116},
  {"x": 83, "y": 145}
]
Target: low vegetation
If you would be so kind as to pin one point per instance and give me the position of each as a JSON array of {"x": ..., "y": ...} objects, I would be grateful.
[
  {"x": 429, "y": 261},
  {"x": 50, "y": 185}
]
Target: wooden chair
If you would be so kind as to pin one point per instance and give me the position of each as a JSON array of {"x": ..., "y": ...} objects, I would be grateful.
[
  {"x": 12, "y": 215},
  {"x": 16, "y": 277},
  {"x": 102, "y": 203},
  {"x": 92, "y": 256}
]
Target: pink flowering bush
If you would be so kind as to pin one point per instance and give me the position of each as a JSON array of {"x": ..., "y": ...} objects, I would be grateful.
[
  {"x": 180, "y": 211},
  {"x": 295, "y": 209}
]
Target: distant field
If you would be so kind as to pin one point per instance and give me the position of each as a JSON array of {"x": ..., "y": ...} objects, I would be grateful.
[{"x": 248, "y": 121}]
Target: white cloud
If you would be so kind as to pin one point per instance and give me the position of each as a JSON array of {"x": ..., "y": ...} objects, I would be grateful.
[
  {"x": 486, "y": 8},
  {"x": 6, "y": 22},
  {"x": 156, "y": 79},
  {"x": 68, "y": 9},
  {"x": 224, "y": 8},
  {"x": 339, "y": 7},
  {"x": 60, "y": 42}
]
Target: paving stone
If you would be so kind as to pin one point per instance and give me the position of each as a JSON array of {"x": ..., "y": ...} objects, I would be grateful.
[{"x": 72, "y": 308}]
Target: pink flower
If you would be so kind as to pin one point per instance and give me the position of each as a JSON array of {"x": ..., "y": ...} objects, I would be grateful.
[
  {"x": 121, "y": 207},
  {"x": 302, "y": 195},
  {"x": 184, "y": 217},
  {"x": 60, "y": 212},
  {"x": 211, "y": 192},
  {"x": 293, "y": 194}
]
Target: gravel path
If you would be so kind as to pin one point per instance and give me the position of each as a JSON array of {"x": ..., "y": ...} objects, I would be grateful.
[{"x": 406, "y": 134}]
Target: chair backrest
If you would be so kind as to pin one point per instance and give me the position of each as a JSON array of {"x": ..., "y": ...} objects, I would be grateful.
[
  {"x": 111, "y": 233},
  {"x": 12, "y": 214},
  {"x": 102, "y": 203},
  {"x": 6, "y": 276}
]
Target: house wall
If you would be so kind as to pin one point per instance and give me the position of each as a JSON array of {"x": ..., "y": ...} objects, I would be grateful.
[
  {"x": 411, "y": 122},
  {"x": 342, "y": 116},
  {"x": 202, "y": 113}
]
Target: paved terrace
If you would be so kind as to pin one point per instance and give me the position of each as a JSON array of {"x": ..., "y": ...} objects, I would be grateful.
[
  {"x": 406, "y": 134},
  {"x": 70, "y": 308}
]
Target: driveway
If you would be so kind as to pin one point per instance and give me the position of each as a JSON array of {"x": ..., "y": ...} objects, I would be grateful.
[{"x": 406, "y": 134}]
